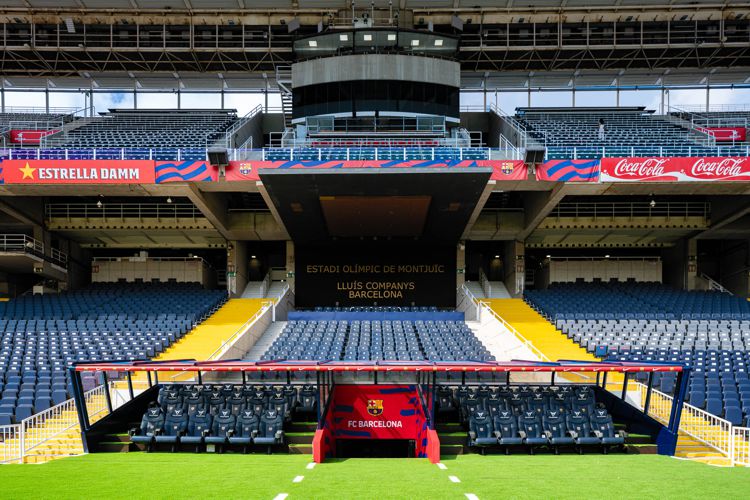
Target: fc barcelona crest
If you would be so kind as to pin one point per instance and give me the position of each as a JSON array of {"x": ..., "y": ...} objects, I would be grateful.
[
  {"x": 375, "y": 407},
  {"x": 507, "y": 167},
  {"x": 246, "y": 168}
]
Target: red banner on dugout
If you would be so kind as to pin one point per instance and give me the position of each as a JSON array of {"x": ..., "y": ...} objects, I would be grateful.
[
  {"x": 379, "y": 412},
  {"x": 675, "y": 169},
  {"x": 78, "y": 171},
  {"x": 502, "y": 170},
  {"x": 726, "y": 134},
  {"x": 28, "y": 137}
]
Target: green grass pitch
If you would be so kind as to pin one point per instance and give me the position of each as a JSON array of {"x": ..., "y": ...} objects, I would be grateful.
[{"x": 172, "y": 476}]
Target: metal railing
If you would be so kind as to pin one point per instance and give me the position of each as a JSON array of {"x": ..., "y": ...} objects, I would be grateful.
[
  {"x": 376, "y": 153},
  {"x": 10, "y": 444},
  {"x": 714, "y": 285},
  {"x": 611, "y": 210},
  {"x": 699, "y": 424},
  {"x": 122, "y": 211},
  {"x": 526, "y": 342},
  {"x": 21, "y": 243},
  {"x": 58, "y": 257},
  {"x": 21, "y": 440},
  {"x": 229, "y": 342},
  {"x": 596, "y": 152},
  {"x": 741, "y": 446}
]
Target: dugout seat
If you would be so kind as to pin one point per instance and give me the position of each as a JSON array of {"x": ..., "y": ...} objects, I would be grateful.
[
  {"x": 175, "y": 426},
  {"x": 308, "y": 400},
  {"x": 480, "y": 429},
  {"x": 270, "y": 431},
  {"x": 578, "y": 424},
  {"x": 530, "y": 429},
  {"x": 221, "y": 429},
  {"x": 556, "y": 430},
  {"x": 152, "y": 424},
  {"x": 506, "y": 430},
  {"x": 245, "y": 430},
  {"x": 603, "y": 427},
  {"x": 199, "y": 425}
]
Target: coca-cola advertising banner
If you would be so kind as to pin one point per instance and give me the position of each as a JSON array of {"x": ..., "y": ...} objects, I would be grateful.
[
  {"x": 726, "y": 134},
  {"x": 704, "y": 169}
]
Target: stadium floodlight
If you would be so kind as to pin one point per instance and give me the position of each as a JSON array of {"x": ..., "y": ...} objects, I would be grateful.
[
  {"x": 457, "y": 23},
  {"x": 293, "y": 25},
  {"x": 218, "y": 157},
  {"x": 69, "y": 25}
]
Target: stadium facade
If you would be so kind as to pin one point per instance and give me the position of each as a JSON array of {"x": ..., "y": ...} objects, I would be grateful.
[{"x": 372, "y": 223}]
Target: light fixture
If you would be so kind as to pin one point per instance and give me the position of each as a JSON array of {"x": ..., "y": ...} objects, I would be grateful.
[
  {"x": 652, "y": 203},
  {"x": 415, "y": 43},
  {"x": 344, "y": 37},
  {"x": 391, "y": 37},
  {"x": 313, "y": 43},
  {"x": 606, "y": 256},
  {"x": 169, "y": 199},
  {"x": 439, "y": 42},
  {"x": 497, "y": 256},
  {"x": 69, "y": 25},
  {"x": 549, "y": 256},
  {"x": 252, "y": 256},
  {"x": 99, "y": 203},
  {"x": 367, "y": 37}
]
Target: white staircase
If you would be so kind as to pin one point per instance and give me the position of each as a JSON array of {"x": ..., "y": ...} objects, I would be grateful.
[
  {"x": 264, "y": 342},
  {"x": 275, "y": 289},
  {"x": 254, "y": 289},
  {"x": 284, "y": 81},
  {"x": 497, "y": 290}
]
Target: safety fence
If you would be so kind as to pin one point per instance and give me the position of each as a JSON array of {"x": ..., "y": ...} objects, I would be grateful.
[
  {"x": 705, "y": 427},
  {"x": 25, "y": 438}
]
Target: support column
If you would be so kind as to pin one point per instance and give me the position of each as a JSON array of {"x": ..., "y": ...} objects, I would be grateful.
[
  {"x": 237, "y": 262},
  {"x": 515, "y": 268},
  {"x": 290, "y": 277},
  {"x": 460, "y": 264},
  {"x": 691, "y": 280}
]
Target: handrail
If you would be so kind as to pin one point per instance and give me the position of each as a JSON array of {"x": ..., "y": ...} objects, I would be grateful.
[
  {"x": 122, "y": 210},
  {"x": 707, "y": 428},
  {"x": 240, "y": 331},
  {"x": 741, "y": 446},
  {"x": 655, "y": 150},
  {"x": 631, "y": 209},
  {"x": 18, "y": 440},
  {"x": 714, "y": 285}
]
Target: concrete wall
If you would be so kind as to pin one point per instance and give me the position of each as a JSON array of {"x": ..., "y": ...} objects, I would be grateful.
[
  {"x": 569, "y": 271},
  {"x": 133, "y": 268},
  {"x": 514, "y": 267},
  {"x": 360, "y": 67},
  {"x": 733, "y": 267}
]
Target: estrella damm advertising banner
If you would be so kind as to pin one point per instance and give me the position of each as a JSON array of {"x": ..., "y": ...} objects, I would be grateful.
[
  {"x": 78, "y": 171},
  {"x": 502, "y": 170}
]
